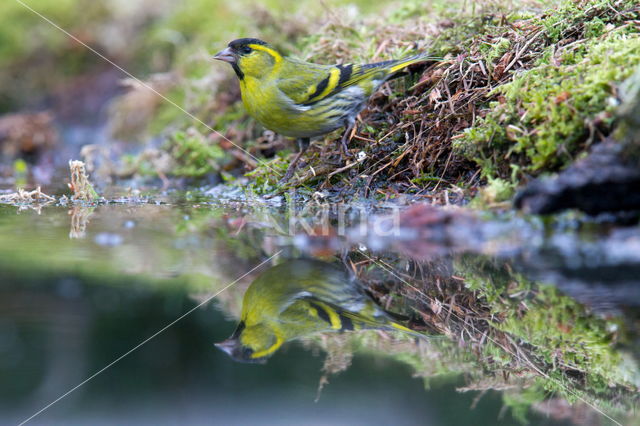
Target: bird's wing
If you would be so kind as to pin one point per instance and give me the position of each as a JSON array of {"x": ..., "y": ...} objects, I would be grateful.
[
  {"x": 333, "y": 315},
  {"x": 378, "y": 71},
  {"x": 306, "y": 84},
  {"x": 369, "y": 316},
  {"x": 300, "y": 81},
  {"x": 315, "y": 84},
  {"x": 349, "y": 316}
]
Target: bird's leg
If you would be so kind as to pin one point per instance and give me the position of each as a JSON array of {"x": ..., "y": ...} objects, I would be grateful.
[
  {"x": 346, "y": 137},
  {"x": 303, "y": 144}
]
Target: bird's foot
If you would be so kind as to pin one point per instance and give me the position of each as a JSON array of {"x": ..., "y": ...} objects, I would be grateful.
[
  {"x": 346, "y": 138},
  {"x": 344, "y": 151},
  {"x": 290, "y": 170},
  {"x": 288, "y": 175},
  {"x": 303, "y": 144}
]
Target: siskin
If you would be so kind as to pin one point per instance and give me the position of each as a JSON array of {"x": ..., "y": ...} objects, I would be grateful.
[
  {"x": 302, "y": 100},
  {"x": 299, "y": 298}
]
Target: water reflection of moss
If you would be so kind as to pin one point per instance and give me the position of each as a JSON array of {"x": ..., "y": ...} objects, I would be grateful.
[
  {"x": 509, "y": 334},
  {"x": 503, "y": 331},
  {"x": 572, "y": 347}
]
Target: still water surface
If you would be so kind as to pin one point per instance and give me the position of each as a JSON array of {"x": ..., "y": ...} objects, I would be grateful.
[{"x": 452, "y": 320}]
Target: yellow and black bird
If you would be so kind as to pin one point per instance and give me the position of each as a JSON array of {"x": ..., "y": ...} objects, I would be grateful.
[
  {"x": 300, "y": 99},
  {"x": 299, "y": 298}
]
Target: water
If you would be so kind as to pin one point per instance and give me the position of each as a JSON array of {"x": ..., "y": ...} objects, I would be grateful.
[{"x": 512, "y": 319}]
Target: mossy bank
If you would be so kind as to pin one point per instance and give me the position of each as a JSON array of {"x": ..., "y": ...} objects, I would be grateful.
[{"x": 519, "y": 92}]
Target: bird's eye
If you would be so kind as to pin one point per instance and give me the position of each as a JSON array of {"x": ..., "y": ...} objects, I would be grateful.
[{"x": 245, "y": 50}]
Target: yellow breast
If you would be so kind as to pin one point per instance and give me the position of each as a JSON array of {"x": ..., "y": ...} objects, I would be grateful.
[{"x": 264, "y": 102}]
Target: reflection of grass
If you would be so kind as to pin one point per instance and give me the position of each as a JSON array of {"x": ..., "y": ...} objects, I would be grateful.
[
  {"x": 566, "y": 346},
  {"x": 502, "y": 331},
  {"x": 79, "y": 220},
  {"x": 505, "y": 333}
]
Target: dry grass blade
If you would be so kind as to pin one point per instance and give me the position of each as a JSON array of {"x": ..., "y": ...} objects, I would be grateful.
[
  {"x": 80, "y": 184},
  {"x": 22, "y": 197}
]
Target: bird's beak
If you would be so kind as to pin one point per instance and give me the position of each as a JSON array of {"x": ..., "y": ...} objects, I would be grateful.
[
  {"x": 226, "y": 346},
  {"x": 226, "y": 55}
]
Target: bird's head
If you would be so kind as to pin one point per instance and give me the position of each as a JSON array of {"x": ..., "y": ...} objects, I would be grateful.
[
  {"x": 252, "y": 344},
  {"x": 250, "y": 57}
]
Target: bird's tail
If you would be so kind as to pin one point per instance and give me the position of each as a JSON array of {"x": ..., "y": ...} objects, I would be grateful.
[
  {"x": 410, "y": 332},
  {"x": 400, "y": 64}
]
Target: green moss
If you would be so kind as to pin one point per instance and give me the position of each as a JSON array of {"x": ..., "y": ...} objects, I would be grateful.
[
  {"x": 585, "y": 19},
  {"x": 264, "y": 179},
  {"x": 194, "y": 155},
  {"x": 463, "y": 31},
  {"x": 545, "y": 116},
  {"x": 424, "y": 179},
  {"x": 496, "y": 191},
  {"x": 494, "y": 51}
]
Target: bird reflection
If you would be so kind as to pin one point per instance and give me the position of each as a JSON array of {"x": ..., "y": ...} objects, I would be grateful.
[{"x": 298, "y": 298}]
